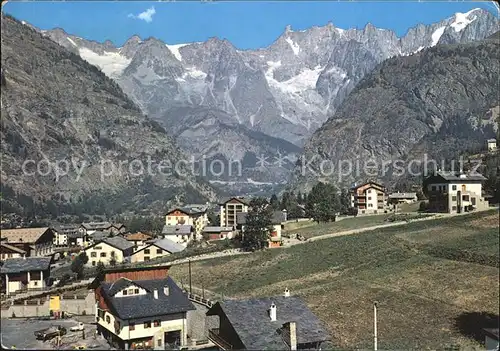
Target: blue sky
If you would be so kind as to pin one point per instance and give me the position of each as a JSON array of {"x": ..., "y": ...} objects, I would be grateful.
[{"x": 248, "y": 24}]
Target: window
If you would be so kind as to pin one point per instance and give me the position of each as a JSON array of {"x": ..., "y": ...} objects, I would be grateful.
[
  {"x": 369, "y": 197},
  {"x": 136, "y": 291},
  {"x": 35, "y": 283},
  {"x": 157, "y": 322},
  {"x": 102, "y": 254},
  {"x": 93, "y": 263},
  {"x": 125, "y": 292},
  {"x": 473, "y": 200},
  {"x": 433, "y": 188},
  {"x": 93, "y": 254},
  {"x": 453, "y": 208},
  {"x": 453, "y": 198},
  {"x": 147, "y": 324},
  {"x": 369, "y": 191},
  {"x": 465, "y": 197},
  {"x": 146, "y": 251},
  {"x": 131, "y": 326},
  {"x": 131, "y": 291},
  {"x": 453, "y": 187},
  {"x": 98, "y": 248},
  {"x": 158, "y": 251},
  {"x": 146, "y": 258},
  {"x": 108, "y": 320},
  {"x": 370, "y": 205},
  {"x": 159, "y": 342}
]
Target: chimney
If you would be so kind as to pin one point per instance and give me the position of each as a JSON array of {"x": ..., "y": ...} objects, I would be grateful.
[
  {"x": 287, "y": 292},
  {"x": 272, "y": 312},
  {"x": 155, "y": 294},
  {"x": 293, "y": 335},
  {"x": 166, "y": 291},
  {"x": 284, "y": 215}
]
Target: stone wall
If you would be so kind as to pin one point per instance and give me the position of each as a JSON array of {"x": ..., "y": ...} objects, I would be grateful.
[{"x": 73, "y": 304}]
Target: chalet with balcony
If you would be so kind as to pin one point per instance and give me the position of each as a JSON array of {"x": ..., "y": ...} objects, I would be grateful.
[
  {"x": 277, "y": 222},
  {"x": 229, "y": 208},
  {"x": 270, "y": 323},
  {"x": 455, "y": 192},
  {"x": 492, "y": 145},
  {"x": 115, "y": 249},
  {"x": 368, "y": 198},
  {"x": 63, "y": 233},
  {"x": 193, "y": 215},
  {"x": 91, "y": 227},
  {"x": 142, "y": 308},
  {"x": 156, "y": 249},
  {"x": 181, "y": 234},
  {"x": 27, "y": 273},
  {"x": 9, "y": 251},
  {"x": 139, "y": 239},
  {"x": 217, "y": 233},
  {"x": 36, "y": 242},
  {"x": 402, "y": 198}
]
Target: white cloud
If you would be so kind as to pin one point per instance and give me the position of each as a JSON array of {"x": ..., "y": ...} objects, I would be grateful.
[{"x": 145, "y": 16}]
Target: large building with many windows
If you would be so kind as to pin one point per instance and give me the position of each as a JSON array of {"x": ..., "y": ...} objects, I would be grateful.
[
  {"x": 455, "y": 192},
  {"x": 229, "y": 209},
  {"x": 368, "y": 198}
]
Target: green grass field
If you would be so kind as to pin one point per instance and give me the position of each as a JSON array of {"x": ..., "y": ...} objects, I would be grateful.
[
  {"x": 315, "y": 229},
  {"x": 422, "y": 293}
]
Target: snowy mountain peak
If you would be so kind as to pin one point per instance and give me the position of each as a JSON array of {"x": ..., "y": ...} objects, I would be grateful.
[
  {"x": 288, "y": 29},
  {"x": 462, "y": 20}
]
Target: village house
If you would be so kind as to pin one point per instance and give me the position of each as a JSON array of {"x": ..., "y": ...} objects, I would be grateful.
[
  {"x": 277, "y": 221},
  {"x": 181, "y": 234},
  {"x": 34, "y": 241},
  {"x": 454, "y": 192},
  {"x": 9, "y": 251},
  {"x": 229, "y": 208},
  {"x": 142, "y": 308},
  {"x": 492, "y": 145},
  {"x": 27, "y": 273},
  {"x": 402, "y": 198},
  {"x": 77, "y": 239},
  {"x": 91, "y": 227},
  {"x": 138, "y": 239},
  {"x": 155, "y": 249},
  {"x": 217, "y": 233},
  {"x": 368, "y": 198},
  {"x": 63, "y": 232},
  {"x": 115, "y": 248},
  {"x": 194, "y": 215},
  {"x": 270, "y": 323}
]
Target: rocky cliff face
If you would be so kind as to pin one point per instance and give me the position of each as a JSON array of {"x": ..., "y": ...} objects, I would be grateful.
[
  {"x": 72, "y": 138},
  {"x": 438, "y": 102},
  {"x": 285, "y": 91}
]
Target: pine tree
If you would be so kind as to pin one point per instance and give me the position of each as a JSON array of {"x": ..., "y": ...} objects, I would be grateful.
[
  {"x": 275, "y": 204},
  {"x": 258, "y": 225}
]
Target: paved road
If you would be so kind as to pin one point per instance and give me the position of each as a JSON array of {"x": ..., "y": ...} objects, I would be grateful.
[{"x": 19, "y": 333}]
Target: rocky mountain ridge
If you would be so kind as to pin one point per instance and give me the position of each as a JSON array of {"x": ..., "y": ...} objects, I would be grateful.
[
  {"x": 286, "y": 90},
  {"x": 434, "y": 105},
  {"x": 73, "y": 141}
]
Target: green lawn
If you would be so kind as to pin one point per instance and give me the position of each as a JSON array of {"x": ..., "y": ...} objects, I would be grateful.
[
  {"x": 350, "y": 223},
  {"x": 421, "y": 292}
]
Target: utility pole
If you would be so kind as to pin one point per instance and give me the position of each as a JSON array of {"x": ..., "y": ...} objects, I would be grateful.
[
  {"x": 190, "y": 286},
  {"x": 375, "y": 326}
]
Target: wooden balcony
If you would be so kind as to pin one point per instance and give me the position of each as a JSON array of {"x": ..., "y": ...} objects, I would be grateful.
[{"x": 213, "y": 335}]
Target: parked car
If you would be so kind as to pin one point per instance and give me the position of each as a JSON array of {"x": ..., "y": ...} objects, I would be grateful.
[
  {"x": 49, "y": 333},
  {"x": 78, "y": 327}
]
